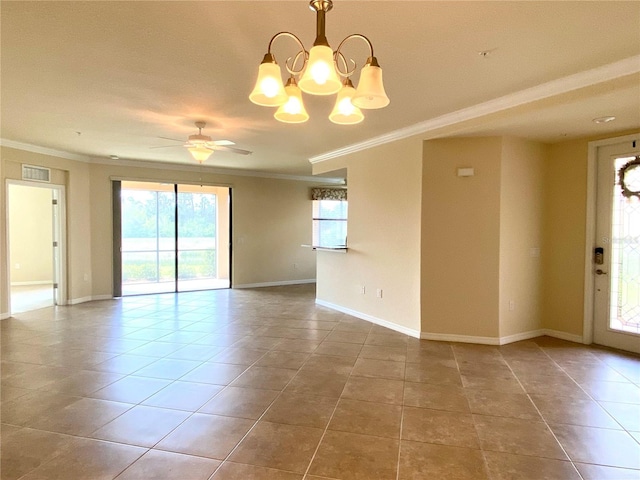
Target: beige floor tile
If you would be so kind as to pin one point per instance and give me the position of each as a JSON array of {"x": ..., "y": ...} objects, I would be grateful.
[
  {"x": 501, "y": 384},
  {"x": 186, "y": 396},
  {"x": 326, "y": 384},
  {"x": 131, "y": 389},
  {"x": 214, "y": 373},
  {"x": 350, "y": 456},
  {"x": 280, "y": 359},
  {"x": 419, "y": 461},
  {"x": 8, "y": 393},
  {"x": 159, "y": 465},
  {"x": 39, "y": 377},
  {"x": 240, "y": 402},
  {"x": 239, "y": 471},
  {"x": 506, "y": 466},
  {"x": 168, "y": 368},
  {"x": 268, "y": 378},
  {"x": 613, "y": 392},
  {"x": 437, "y": 397},
  {"x": 385, "y": 338},
  {"x": 210, "y": 436},
  {"x": 303, "y": 410},
  {"x": 380, "y": 352},
  {"x": 302, "y": 346},
  {"x": 156, "y": 349},
  {"x": 433, "y": 373},
  {"x": 338, "y": 349},
  {"x": 437, "y": 426},
  {"x": 346, "y": 337},
  {"x": 380, "y": 390},
  {"x": 521, "y": 437},
  {"x": 557, "y": 385},
  {"x": 599, "y": 446},
  {"x": 367, "y": 418},
  {"x": 124, "y": 364},
  {"x": 329, "y": 364},
  {"x": 81, "y": 417},
  {"x": 83, "y": 383},
  {"x": 27, "y": 449},
  {"x": 574, "y": 411},
  {"x": 626, "y": 414},
  {"x": 27, "y": 407},
  {"x": 599, "y": 472},
  {"x": 198, "y": 353},
  {"x": 88, "y": 459},
  {"x": 499, "y": 404},
  {"x": 142, "y": 426},
  {"x": 366, "y": 367},
  {"x": 279, "y": 446},
  {"x": 238, "y": 356}
]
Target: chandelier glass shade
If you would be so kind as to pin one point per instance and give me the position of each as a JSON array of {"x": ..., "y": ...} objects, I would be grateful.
[
  {"x": 323, "y": 71},
  {"x": 200, "y": 152}
]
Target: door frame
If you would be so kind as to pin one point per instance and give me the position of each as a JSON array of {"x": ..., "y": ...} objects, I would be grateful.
[
  {"x": 62, "y": 226},
  {"x": 590, "y": 231}
]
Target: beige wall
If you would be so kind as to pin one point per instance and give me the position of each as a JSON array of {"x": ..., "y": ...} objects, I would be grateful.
[
  {"x": 30, "y": 235},
  {"x": 271, "y": 220},
  {"x": 521, "y": 227},
  {"x": 461, "y": 235},
  {"x": 383, "y": 236}
]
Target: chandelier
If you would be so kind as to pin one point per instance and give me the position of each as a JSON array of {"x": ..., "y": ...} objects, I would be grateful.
[{"x": 321, "y": 71}]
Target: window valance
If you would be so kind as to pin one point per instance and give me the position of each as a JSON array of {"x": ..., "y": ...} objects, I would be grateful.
[{"x": 325, "y": 193}]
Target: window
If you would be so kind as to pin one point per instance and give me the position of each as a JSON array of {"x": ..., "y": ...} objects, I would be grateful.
[{"x": 330, "y": 223}]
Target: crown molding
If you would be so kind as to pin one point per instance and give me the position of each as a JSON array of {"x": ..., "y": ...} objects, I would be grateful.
[
  {"x": 165, "y": 165},
  {"x": 611, "y": 71},
  {"x": 27, "y": 147}
]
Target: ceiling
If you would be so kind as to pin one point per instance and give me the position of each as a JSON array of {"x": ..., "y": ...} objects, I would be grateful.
[{"x": 97, "y": 78}]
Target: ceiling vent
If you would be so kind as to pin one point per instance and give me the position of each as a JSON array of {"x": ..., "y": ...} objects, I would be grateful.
[{"x": 36, "y": 174}]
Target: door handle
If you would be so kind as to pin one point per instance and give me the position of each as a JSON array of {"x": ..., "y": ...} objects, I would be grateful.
[{"x": 600, "y": 272}]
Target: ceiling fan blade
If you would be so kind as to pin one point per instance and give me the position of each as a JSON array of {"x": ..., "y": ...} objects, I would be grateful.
[
  {"x": 223, "y": 143},
  {"x": 172, "y": 139},
  {"x": 233, "y": 150},
  {"x": 168, "y": 146}
]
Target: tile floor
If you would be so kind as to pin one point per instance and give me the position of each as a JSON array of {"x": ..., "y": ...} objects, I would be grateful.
[{"x": 264, "y": 384}]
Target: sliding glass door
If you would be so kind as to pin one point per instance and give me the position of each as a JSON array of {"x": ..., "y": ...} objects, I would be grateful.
[{"x": 173, "y": 237}]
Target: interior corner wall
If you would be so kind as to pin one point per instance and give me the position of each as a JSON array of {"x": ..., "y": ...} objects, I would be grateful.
[
  {"x": 74, "y": 175},
  {"x": 521, "y": 235},
  {"x": 271, "y": 221},
  {"x": 383, "y": 238},
  {"x": 461, "y": 238}
]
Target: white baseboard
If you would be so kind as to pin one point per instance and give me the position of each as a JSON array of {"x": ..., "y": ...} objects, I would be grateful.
[
  {"x": 4, "y": 316},
  {"x": 76, "y": 301},
  {"x": 275, "y": 284},
  {"x": 34, "y": 282},
  {"x": 450, "y": 337},
  {"x": 570, "y": 337},
  {"x": 102, "y": 297},
  {"x": 518, "y": 337},
  {"x": 369, "y": 318}
]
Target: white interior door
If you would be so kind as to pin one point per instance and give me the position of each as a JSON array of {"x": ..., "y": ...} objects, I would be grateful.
[{"x": 616, "y": 262}]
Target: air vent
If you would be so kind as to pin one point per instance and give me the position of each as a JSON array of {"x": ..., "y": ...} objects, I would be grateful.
[{"x": 36, "y": 174}]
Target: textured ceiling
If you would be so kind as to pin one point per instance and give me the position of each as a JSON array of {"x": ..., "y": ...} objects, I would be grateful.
[{"x": 125, "y": 73}]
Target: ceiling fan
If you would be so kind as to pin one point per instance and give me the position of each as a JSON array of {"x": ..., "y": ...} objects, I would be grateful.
[{"x": 201, "y": 146}]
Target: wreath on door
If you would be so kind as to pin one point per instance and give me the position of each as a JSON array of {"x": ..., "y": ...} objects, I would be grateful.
[{"x": 629, "y": 175}]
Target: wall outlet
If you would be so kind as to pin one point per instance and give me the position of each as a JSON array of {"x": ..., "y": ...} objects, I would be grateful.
[
  {"x": 86, "y": 277},
  {"x": 362, "y": 290},
  {"x": 295, "y": 266},
  {"x": 17, "y": 266},
  {"x": 379, "y": 293},
  {"x": 512, "y": 305}
]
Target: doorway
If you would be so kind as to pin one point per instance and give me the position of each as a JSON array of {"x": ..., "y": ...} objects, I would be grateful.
[
  {"x": 35, "y": 220},
  {"x": 616, "y": 257},
  {"x": 170, "y": 238}
]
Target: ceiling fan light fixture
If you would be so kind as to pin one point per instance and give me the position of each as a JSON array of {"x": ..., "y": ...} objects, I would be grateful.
[
  {"x": 200, "y": 153},
  {"x": 370, "y": 93},
  {"x": 269, "y": 90},
  {"x": 345, "y": 112},
  {"x": 318, "y": 71},
  {"x": 293, "y": 110}
]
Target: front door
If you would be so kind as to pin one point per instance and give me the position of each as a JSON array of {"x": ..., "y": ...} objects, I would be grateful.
[{"x": 616, "y": 259}]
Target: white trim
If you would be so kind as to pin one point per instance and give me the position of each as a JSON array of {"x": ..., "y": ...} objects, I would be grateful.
[
  {"x": 76, "y": 301},
  {"x": 369, "y": 318},
  {"x": 446, "y": 337},
  {"x": 518, "y": 337},
  {"x": 570, "y": 337},
  {"x": 166, "y": 165},
  {"x": 275, "y": 284},
  {"x": 627, "y": 66},
  {"x": 35, "y": 282},
  {"x": 4, "y": 316},
  {"x": 102, "y": 297},
  {"x": 590, "y": 231},
  {"x": 43, "y": 150}
]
